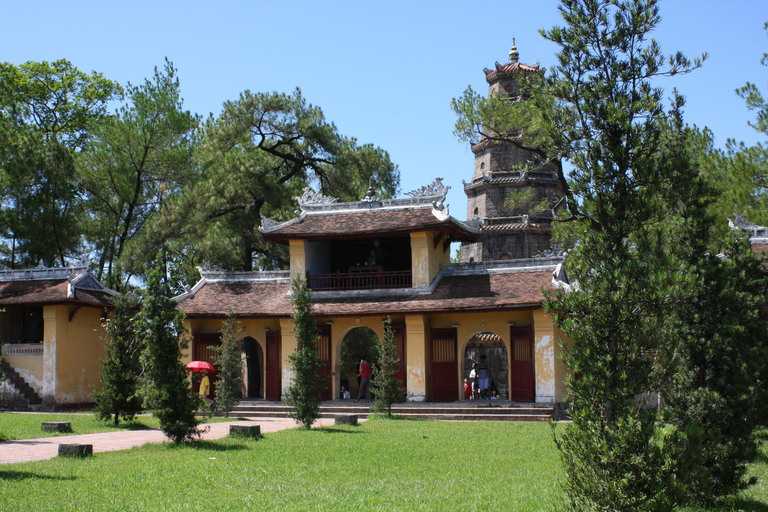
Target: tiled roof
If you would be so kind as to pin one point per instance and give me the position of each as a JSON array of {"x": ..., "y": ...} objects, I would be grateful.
[
  {"x": 379, "y": 222},
  {"x": 475, "y": 292},
  {"x": 512, "y": 67},
  {"x": 48, "y": 291}
]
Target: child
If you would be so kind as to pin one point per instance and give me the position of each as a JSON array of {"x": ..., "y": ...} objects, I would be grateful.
[
  {"x": 467, "y": 390},
  {"x": 344, "y": 393}
]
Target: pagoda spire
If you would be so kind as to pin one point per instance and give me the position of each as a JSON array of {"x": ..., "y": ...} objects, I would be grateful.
[{"x": 514, "y": 56}]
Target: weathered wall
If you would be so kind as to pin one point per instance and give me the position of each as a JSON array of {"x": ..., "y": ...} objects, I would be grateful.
[{"x": 73, "y": 353}]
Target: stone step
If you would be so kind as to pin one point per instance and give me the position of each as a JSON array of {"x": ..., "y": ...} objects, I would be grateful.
[
  {"x": 458, "y": 411},
  {"x": 10, "y": 374}
]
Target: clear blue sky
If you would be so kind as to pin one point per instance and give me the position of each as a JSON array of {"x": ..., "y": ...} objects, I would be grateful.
[{"x": 383, "y": 71}]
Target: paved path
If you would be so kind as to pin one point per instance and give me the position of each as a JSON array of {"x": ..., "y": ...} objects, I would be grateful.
[{"x": 26, "y": 450}]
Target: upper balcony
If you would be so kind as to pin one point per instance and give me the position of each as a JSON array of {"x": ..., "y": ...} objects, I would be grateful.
[{"x": 360, "y": 278}]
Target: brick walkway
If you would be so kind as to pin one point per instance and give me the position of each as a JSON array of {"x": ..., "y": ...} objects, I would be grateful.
[{"x": 26, "y": 450}]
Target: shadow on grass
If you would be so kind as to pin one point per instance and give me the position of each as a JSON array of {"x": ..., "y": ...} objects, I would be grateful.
[
  {"x": 336, "y": 430},
  {"x": 217, "y": 447},
  {"x": 27, "y": 475}
]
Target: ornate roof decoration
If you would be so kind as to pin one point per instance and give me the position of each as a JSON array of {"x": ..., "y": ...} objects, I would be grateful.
[
  {"x": 42, "y": 272},
  {"x": 268, "y": 224},
  {"x": 739, "y": 222},
  {"x": 553, "y": 252},
  {"x": 370, "y": 196},
  {"x": 311, "y": 197},
  {"x": 436, "y": 188}
]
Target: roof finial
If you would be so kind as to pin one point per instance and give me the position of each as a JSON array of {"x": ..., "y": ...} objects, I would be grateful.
[{"x": 514, "y": 56}]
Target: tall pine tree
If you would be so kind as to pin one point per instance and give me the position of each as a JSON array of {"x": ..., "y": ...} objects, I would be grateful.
[{"x": 161, "y": 328}]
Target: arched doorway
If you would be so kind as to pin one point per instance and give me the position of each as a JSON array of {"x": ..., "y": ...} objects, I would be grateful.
[
  {"x": 492, "y": 346},
  {"x": 253, "y": 356},
  {"x": 359, "y": 342}
]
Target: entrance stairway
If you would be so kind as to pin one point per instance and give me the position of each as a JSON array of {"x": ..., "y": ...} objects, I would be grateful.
[
  {"x": 28, "y": 394},
  {"x": 474, "y": 410}
]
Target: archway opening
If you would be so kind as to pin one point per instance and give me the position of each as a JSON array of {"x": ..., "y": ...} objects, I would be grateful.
[
  {"x": 359, "y": 342},
  {"x": 491, "y": 346},
  {"x": 253, "y": 368}
]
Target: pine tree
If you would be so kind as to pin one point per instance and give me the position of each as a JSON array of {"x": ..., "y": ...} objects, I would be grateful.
[
  {"x": 304, "y": 390},
  {"x": 230, "y": 364},
  {"x": 389, "y": 389},
  {"x": 120, "y": 397},
  {"x": 167, "y": 391}
]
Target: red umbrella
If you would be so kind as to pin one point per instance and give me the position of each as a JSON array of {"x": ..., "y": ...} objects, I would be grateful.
[{"x": 198, "y": 366}]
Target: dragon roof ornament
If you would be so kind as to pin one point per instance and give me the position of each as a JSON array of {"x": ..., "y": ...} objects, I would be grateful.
[
  {"x": 436, "y": 188},
  {"x": 311, "y": 197}
]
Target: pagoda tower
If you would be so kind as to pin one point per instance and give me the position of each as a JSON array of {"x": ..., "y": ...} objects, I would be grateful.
[{"x": 508, "y": 233}]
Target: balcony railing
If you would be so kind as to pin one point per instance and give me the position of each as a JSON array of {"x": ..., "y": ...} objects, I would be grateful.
[
  {"x": 25, "y": 349},
  {"x": 360, "y": 278}
]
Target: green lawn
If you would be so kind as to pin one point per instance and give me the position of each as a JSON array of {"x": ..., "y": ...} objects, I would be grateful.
[
  {"x": 15, "y": 426},
  {"x": 379, "y": 465}
]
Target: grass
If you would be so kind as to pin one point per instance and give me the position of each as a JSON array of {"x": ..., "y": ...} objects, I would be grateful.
[
  {"x": 379, "y": 465},
  {"x": 14, "y": 426}
]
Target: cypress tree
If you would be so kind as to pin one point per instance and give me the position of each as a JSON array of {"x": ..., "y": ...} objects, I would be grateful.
[
  {"x": 230, "y": 363},
  {"x": 389, "y": 389},
  {"x": 121, "y": 368},
  {"x": 303, "y": 392}
]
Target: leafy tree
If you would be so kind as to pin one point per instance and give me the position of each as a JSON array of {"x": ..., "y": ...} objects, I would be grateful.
[
  {"x": 138, "y": 159},
  {"x": 303, "y": 392},
  {"x": 598, "y": 110},
  {"x": 230, "y": 363},
  {"x": 121, "y": 370},
  {"x": 389, "y": 389},
  {"x": 46, "y": 113},
  {"x": 161, "y": 330},
  {"x": 256, "y": 157}
]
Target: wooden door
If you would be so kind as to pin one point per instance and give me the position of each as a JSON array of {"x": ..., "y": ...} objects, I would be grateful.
[
  {"x": 272, "y": 366},
  {"x": 444, "y": 374},
  {"x": 521, "y": 386},
  {"x": 324, "y": 352},
  {"x": 399, "y": 331}
]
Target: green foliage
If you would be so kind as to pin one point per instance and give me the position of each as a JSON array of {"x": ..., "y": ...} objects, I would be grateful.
[
  {"x": 389, "y": 389},
  {"x": 138, "y": 159},
  {"x": 255, "y": 158},
  {"x": 602, "y": 113},
  {"x": 46, "y": 113},
  {"x": 167, "y": 387},
  {"x": 304, "y": 390},
  {"x": 121, "y": 369},
  {"x": 230, "y": 365}
]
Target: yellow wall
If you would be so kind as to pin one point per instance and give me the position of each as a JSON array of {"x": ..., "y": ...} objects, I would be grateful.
[
  {"x": 298, "y": 258},
  {"x": 416, "y": 336},
  {"x": 545, "y": 343},
  {"x": 426, "y": 258},
  {"x": 30, "y": 367},
  {"x": 73, "y": 353}
]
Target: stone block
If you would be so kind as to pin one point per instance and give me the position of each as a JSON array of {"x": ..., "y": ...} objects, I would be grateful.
[
  {"x": 56, "y": 426},
  {"x": 245, "y": 430},
  {"x": 75, "y": 450},
  {"x": 345, "y": 419}
]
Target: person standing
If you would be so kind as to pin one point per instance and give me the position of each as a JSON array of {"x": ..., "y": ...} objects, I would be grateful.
[
  {"x": 483, "y": 377},
  {"x": 205, "y": 387},
  {"x": 365, "y": 378},
  {"x": 473, "y": 381}
]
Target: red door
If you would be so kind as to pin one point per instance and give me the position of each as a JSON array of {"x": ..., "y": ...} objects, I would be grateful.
[
  {"x": 399, "y": 331},
  {"x": 324, "y": 353},
  {"x": 444, "y": 374},
  {"x": 204, "y": 349},
  {"x": 272, "y": 366},
  {"x": 521, "y": 387}
]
